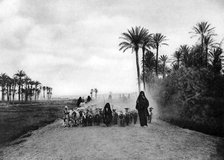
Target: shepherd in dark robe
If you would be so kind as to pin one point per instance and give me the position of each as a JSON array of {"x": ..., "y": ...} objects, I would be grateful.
[
  {"x": 142, "y": 105},
  {"x": 107, "y": 114}
]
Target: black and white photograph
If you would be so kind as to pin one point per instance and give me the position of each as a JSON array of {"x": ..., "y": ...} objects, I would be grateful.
[{"x": 111, "y": 79}]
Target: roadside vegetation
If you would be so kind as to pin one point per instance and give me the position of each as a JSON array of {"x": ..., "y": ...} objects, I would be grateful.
[{"x": 189, "y": 86}]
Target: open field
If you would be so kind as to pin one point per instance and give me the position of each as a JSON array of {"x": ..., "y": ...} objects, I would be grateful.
[{"x": 18, "y": 119}]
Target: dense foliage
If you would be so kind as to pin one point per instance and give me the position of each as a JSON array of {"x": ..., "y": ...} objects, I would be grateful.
[
  {"x": 191, "y": 93},
  {"x": 193, "y": 98}
]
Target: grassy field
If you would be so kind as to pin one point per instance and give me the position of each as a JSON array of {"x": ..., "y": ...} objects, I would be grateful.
[{"x": 18, "y": 119}]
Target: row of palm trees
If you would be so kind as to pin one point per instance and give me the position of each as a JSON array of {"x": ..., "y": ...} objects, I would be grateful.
[
  {"x": 139, "y": 38},
  {"x": 20, "y": 84},
  {"x": 206, "y": 52}
]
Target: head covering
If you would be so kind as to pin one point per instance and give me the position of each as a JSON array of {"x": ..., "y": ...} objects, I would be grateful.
[
  {"x": 142, "y": 101},
  {"x": 107, "y": 108}
]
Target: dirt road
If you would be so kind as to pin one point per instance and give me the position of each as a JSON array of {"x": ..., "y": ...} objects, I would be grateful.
[{"x": 158, "y": 141}]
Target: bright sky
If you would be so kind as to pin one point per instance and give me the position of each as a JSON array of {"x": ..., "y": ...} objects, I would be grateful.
[{"x": 72, "y": 46}]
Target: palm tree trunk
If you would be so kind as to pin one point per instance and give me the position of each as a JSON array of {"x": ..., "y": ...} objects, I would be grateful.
[
  {"x": 143, "y": 67},
  {"x": 206, "y": 56},
  {"x": 7, "y": 89},
  {"x": 202, "y": 50},
  {"x": 35, "y": 93},
  {"x": 157, "y": 56},
  {"x": 19, "y": 92},
  {"x": 3, "y": 90},
  {"x": 26, "y": 92},
  {"x": 138, "y": 70}
]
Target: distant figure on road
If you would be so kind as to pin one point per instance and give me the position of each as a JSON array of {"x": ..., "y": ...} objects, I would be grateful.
[
  {"x": 107, "y": 114},
  {"x": 80, "y": 100},
  {"x": 142, "y": 106},
  {"x": 88, "y": 99}
]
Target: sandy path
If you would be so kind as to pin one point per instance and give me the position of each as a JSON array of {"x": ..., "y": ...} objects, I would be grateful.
[{"x": 158, "y": 141}]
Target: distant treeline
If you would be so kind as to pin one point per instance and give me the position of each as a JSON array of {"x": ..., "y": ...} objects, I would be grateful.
[{"x": 23, "y": 86}]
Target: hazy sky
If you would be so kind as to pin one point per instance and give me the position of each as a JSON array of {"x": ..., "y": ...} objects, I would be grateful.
[{"x": 72, "y": 45}]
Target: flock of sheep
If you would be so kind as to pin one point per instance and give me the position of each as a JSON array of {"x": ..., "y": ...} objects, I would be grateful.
[{"x": 92, "y": 115}]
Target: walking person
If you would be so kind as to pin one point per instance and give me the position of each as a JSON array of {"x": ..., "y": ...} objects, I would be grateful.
[
  {"x": 142, "y": 105},
  {"x": 107, "y": 114}
]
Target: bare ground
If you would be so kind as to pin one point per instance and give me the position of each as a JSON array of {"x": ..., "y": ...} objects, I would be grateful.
[{"x": 159, "y": 140}]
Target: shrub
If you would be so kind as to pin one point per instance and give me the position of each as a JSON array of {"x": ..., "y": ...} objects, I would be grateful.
[{"x": 192, "y": 98}]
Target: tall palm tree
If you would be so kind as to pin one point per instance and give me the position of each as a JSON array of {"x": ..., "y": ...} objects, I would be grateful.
[
  {"x": 14, "y": 84},
  {"x": 177, "y": 55},
  {"x": 36, "y": 83},
  {"x": 186, "y": 57},
  {"x": 3, "y": 83},
  {"x": 133, "y": 40},
  {"x": 163, "y": 59},
  {"x": 20, "y": 74},
  {"x": 158, "y": 40},
  {"x": 31, "y": 89},
  {"x": 26, "y": 87},
  {"x": 175, "y": 66},
  {"x": 209, "y": 44},
  {"x": 146, "y": 45},
  {"x": 50, "y": 94},
  {"x": 216, "y": 60},
  {"x": 9, "y": 88},
  {"x": 38, "y": 91},
  {"x": 203, "y": 29}
]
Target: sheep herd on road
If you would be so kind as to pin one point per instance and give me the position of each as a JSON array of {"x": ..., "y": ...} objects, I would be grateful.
[{"x": 89, "y": 116}]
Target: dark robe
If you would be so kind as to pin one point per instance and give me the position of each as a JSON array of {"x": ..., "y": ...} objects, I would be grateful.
[
  {"x": 142, "y": 107},
  {"x": 107, "y": 114}
]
